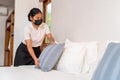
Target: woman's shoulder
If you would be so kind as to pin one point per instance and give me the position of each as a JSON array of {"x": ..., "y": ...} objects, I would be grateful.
[
  {"x": 43, "y": 25},
  {"x": 28, "y": 26}
]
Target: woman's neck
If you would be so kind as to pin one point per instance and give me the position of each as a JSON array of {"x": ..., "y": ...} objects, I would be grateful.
[{"x": 35, "y": 26}]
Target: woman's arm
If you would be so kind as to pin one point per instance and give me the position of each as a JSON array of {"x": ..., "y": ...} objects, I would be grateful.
[
  {"x": 30, "y": 49},
  {"x": 49, "y": 36}
]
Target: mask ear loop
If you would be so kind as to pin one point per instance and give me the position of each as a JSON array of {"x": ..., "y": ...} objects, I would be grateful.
[{"x": 31, "y": 18}]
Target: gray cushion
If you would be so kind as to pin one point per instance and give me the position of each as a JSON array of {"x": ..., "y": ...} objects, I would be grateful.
[
  {"x": 109, "y": 66},
  {"x": 50, "y": 55}
]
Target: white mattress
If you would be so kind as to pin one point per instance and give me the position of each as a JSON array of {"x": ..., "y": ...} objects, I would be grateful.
[{"x": 32, "y": 73}]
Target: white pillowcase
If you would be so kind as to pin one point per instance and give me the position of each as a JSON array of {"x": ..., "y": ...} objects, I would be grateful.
[
  {"x": 90, "y": 60},
  {"x": 79, "y": 57},
  {"x": 72, "y": 59}
]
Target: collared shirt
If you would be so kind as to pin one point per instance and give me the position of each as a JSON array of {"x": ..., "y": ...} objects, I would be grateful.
[{"x": 35, "y": 35}]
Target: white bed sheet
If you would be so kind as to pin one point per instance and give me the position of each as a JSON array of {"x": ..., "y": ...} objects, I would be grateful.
[{"x": 32, "y": 73}]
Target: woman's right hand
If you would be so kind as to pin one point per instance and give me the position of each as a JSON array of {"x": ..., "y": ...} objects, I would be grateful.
[
  {"x": 37, "y": 62},
  {"x": 31, "y": 51}
]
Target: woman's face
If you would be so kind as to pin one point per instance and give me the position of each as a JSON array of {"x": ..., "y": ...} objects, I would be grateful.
[{"x": 36, "y": 17}]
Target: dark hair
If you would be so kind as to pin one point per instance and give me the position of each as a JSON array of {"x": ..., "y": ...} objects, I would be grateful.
[{"x": 33, "y": 12}]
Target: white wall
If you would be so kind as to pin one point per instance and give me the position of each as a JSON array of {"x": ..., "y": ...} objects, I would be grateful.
[
  {"x": 2, "y": 38},
  {"x": 22, "y": 8},
  {"x": 86, "y": 20}
]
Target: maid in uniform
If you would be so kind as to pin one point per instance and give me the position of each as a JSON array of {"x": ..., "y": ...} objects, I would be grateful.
[{"x": 34, "y": 33}]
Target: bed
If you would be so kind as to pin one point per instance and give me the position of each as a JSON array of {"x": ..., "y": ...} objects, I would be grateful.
[
  {"x": 68, "y": 68},
  {"x": 32, "y": 73}
]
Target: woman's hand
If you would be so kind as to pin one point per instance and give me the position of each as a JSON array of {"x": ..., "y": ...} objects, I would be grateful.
[
  {"x": 37, "y": 63},
  {"x": 31, "y": 51}
]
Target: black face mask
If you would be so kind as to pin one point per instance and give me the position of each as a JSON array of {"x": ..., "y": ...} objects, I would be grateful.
[{"x": 38, "y": 22}]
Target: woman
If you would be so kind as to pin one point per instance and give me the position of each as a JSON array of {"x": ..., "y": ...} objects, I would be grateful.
[{"x": 34, "y": 33}]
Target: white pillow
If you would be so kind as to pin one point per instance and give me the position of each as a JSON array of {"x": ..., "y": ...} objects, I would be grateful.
[
  {"x": 91, "y": 57},
  {"x": 72, "y": 59}
]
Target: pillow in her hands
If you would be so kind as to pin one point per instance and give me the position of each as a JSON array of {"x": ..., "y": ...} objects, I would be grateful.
[{"x": 50, "y": 55}]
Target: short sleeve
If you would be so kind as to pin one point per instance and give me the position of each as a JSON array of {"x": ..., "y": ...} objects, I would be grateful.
[
  {"x": 26, "y": 33},
  {"x": 47, "y": 29}
]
